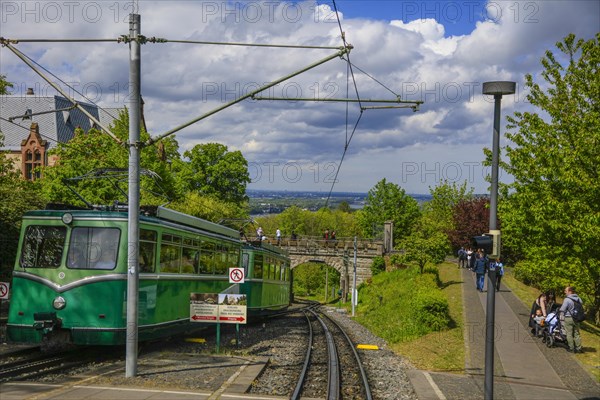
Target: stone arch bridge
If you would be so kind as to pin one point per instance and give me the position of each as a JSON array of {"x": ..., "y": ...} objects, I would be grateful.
[{"x": 338, "y": 254}]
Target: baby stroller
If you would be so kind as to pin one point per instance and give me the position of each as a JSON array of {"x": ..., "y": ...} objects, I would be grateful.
[{"x": 553, "y": 331}]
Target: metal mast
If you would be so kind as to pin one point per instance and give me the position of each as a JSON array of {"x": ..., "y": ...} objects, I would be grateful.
[{"x": 134, "y": 197}]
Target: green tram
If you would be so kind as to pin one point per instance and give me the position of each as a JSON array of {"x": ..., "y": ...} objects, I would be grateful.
[{"x": 70, "y": 277}]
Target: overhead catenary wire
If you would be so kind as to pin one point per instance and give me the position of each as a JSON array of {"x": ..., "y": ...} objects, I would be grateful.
[
  {"x": 343, "y": 53},
  {"x": 349, "y": 73},
  {"x": 31, "y": 65}
]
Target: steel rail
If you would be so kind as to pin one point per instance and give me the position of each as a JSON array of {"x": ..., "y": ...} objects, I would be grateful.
[
  {"x": 363, "y": 373},
  {"x": 304, "y": 372},
  {"x": 333, "y": 374}
]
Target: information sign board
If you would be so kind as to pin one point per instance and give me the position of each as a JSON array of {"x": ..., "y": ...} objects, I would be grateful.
[
  {"x": 215, "y": 307},
  {"x": 204, "y": 307},
  {"x": 232, "y": 308}
]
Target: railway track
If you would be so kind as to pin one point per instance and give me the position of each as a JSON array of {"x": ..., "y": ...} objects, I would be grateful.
[
  {"x": 27, "y": 364},
  {"x": 334, "y": 357}
]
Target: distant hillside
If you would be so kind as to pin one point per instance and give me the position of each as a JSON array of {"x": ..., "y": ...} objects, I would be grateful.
[{"x": 276, "y": 201}]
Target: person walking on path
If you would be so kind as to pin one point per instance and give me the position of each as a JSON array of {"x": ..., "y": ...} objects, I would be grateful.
[
  {"x": 499, "y": 273},
  {"x": 481, "y": 266},
  {"x": 571, "y": 326},
  {"x": 462, "y": 257}
]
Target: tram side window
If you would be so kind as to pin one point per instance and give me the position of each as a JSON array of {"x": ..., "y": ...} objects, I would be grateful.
[
  {"x": 93, "y": 248},
  {"x": 245, "y": 262},
  {"x": 43, "y": 246},
  {"x": 234, "y": 257},
  {"x": 189, "y": 259},
  {"x": 221, "y": 260},
  {"x": 147, "y": 250},
  {"x": 170, "y": 253},
  {"x": 258, "y": 266},
  {"x": 206, "y": 258},
  {"x": 278, "y": 270}
]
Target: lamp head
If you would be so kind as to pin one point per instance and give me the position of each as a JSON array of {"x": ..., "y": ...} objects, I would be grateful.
[{"x": 499, "y": 87}]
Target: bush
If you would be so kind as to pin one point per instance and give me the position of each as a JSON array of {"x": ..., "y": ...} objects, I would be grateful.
[
  {"x": 403, "y": 304},
  {"x": 378, "y": 265}
]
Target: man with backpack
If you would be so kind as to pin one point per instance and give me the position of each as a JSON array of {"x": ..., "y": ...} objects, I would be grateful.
[
  {"x": 462, "y": 258},
  {"x": 572, "y": 311}
]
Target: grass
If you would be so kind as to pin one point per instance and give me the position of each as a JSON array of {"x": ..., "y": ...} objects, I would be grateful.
[
  {"x": 442, "y": 350},
  {"x": 590, "y": 333}
]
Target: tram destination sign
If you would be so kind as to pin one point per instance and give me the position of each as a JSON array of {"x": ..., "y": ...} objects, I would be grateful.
[{"x": 218, "y": 307}]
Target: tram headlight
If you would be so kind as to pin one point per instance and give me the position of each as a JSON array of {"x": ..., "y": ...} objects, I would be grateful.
[
  {"x": 59, "y": 303},
  {"x": 67, "y": 218}
]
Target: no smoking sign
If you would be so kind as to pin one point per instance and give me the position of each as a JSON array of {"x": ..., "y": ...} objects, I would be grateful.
[{"x": 236, "y": 275}]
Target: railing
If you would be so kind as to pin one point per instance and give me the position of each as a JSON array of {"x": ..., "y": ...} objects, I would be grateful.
[{"x": 318, "y": 245}]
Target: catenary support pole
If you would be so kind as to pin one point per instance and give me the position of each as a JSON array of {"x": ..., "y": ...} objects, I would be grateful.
[
  {"x": 354, "y": 291},
  {"x": 134, "y": 197}
]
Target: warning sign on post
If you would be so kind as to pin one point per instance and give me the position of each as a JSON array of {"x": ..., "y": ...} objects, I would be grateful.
[
  {"x": 236, "y": 275},
  {"x": 3, "y": 290}
]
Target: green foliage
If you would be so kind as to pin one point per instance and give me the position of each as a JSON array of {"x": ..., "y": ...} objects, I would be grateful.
[
  {"x": 445, "y": 196},
  {"x": 16, "y": 197},
  {"x": 213, "y": 170},
  {"x": 423, "y": 248},
  {"x": 402, "y": 305},
  {"x": 378, "y": 265},
  {"x": 551, "y": 219},
  {"x": 95, "y": 150},
  {"x": 386, "y": 201},
  {"x": 309, "y": 280},
  {"x": 210, "y": 208},
  {"x": 309, "y": 223},
  {"x": 4, "y": 85}
]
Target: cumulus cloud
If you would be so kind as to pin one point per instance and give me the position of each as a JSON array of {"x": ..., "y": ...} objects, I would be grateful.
[{"x": 409, "y": 58}]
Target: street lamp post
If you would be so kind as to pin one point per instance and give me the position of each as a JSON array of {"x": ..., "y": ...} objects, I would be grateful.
[{"x": 498, "y": 89}]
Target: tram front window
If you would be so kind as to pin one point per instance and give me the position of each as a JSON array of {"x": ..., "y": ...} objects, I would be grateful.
[
  {"x": 93, "y": 248},
  {"x": 43, "y": 246}
]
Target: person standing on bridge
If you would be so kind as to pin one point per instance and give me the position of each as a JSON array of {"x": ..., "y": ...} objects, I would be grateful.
[{"x": 278, "y": 236}]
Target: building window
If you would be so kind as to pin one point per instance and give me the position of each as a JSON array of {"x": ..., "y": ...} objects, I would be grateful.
[
  {"x": 32, "y": 162},
  {"x": 33, "y": 154}
]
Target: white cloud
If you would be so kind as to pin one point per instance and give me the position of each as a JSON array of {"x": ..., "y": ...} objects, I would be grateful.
[{"x": 416, "y": 60}]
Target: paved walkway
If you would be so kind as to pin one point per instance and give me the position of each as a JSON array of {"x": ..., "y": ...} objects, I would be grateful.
[{"x": 524, "y": 368}]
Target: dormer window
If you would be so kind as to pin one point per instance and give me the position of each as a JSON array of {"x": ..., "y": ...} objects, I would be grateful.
[{"x": 27, "y": 115}]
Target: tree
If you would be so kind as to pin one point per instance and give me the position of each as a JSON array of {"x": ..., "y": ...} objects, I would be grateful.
[
  {"x": 94, "y": 150},
  {"x": 421, "y": 248},
  {"x": 4, "y": 85},
  {"x": 551, "y": 219},
  {"x": 470, "y": 218},
  {"x": 444, "y": 197},
  {"x": 386, "y": 201},
  {"x": 345, "y": 207},
  {"x": 213, "y": 170},
  {"x": 16, "y": 196},
  {"x": 210, "y": 208}
]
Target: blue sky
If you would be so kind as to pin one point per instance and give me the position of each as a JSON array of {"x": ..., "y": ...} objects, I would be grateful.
[
  {"x": 437, "y": 52},
  {"x": 458, "y": 17}
]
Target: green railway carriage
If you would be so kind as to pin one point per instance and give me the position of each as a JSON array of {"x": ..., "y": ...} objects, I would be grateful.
[
  {"x": 70, "y": 277},
  {"x": 267, "y": 269}
]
